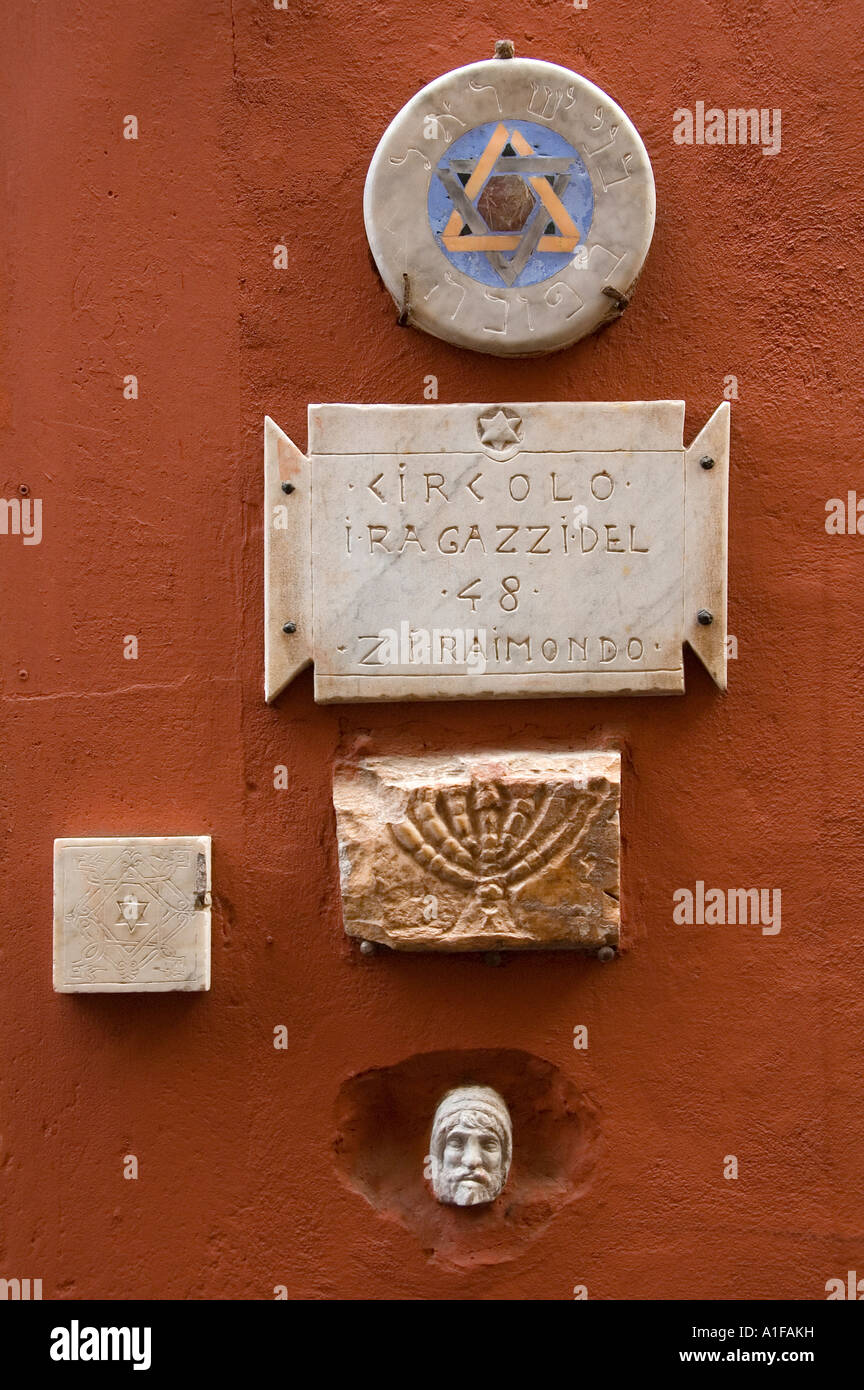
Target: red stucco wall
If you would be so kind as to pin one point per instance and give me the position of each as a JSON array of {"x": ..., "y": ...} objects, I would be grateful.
[{"x": 155, "y": 258}]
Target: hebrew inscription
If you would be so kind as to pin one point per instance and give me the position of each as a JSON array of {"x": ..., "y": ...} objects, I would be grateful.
[
  {"x": 487, "y": 852},
  {"x": 498, "y": 183},
  {"x": 498, "y": 551}
]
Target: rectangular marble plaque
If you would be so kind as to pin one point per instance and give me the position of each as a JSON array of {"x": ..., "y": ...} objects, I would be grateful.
[
  {"x": 495, "y": 551},
  {"x": 132, "y": 914},
  {"x": 481, "y": 852}
]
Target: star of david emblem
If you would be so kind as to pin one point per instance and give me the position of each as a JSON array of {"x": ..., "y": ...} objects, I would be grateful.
[
  {"x": 508, "y": 199},
  {"x": 131, "y": 911},
  {"x": 130, "y": 915},
  {"x": 500, "y": 430},
  {"x": 127, "y": 914}
]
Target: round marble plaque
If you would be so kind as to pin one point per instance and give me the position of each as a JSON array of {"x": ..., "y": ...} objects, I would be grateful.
[{"x": 509, "y": 207}]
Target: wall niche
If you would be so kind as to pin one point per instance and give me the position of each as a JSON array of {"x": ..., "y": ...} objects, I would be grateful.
[{"x": 384, "y": 1121}]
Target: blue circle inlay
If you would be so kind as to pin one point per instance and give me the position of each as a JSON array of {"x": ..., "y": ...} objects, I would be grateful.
[{"x": 569, "y": 182}]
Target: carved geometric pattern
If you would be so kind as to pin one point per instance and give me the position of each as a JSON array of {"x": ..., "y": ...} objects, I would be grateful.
[{"x": 132, "y": 914}]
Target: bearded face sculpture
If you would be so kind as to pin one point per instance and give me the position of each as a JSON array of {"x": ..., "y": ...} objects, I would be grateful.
[{"x": 470, "y": 1148}]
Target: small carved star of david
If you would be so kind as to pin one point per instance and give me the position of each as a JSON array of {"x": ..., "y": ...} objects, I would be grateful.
[
  {"x": 545, "y": 179},
  {"x": 131, "y": 911},
  {"x": 500, "y": 431}
]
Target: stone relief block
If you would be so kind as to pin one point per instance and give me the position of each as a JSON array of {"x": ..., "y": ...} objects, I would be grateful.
[
  {"x": 495, "y": 551},
  {"x": 493, "y": 851},
  {"x": 132, "y": 914}
]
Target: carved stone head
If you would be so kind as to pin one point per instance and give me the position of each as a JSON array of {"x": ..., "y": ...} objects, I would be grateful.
[{"x": 470, "y": 1148}]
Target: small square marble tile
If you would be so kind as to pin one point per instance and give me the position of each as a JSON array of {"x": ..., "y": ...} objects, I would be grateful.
[{"x": 132, "y": 914}]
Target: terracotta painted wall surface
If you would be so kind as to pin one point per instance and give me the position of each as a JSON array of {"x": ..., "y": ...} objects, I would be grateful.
[{"x": 154, "y": 257}]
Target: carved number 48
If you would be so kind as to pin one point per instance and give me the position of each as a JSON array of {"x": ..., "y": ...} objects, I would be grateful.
[{"x": 507, "y": 599}]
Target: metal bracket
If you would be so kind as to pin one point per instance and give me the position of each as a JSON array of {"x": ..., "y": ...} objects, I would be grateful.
[
  {"x": 287, "y": 561},
  {"x": 706, "y": 527}
]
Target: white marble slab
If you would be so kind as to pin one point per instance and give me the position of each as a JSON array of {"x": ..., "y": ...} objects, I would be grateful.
[
  {"x": 499, "y": 551},
  {"x": 480, "y": 125},
  {"x": 131, "y": 914}
]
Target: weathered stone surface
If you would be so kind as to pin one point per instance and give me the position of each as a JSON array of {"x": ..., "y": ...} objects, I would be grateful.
[
  {"x": 132, "y": 914},
  {"x": 491, "y": 851},
  {"x": 505, "y": 203},
  {"x": 496, "y": 551}
]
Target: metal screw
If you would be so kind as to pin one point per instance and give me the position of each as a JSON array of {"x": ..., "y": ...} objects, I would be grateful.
[
  {"x": 504, "y": 48},
  {"x": 367, "y": 948},
  {"x": 704, "y": 617},
  {"x": 289, "y": 627},
  {"x": 707, "y": 461},
  {"x": 24, "y": 490},
  {"x": 606, "y": 953},
  {"x": 288, "y": 487}
]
